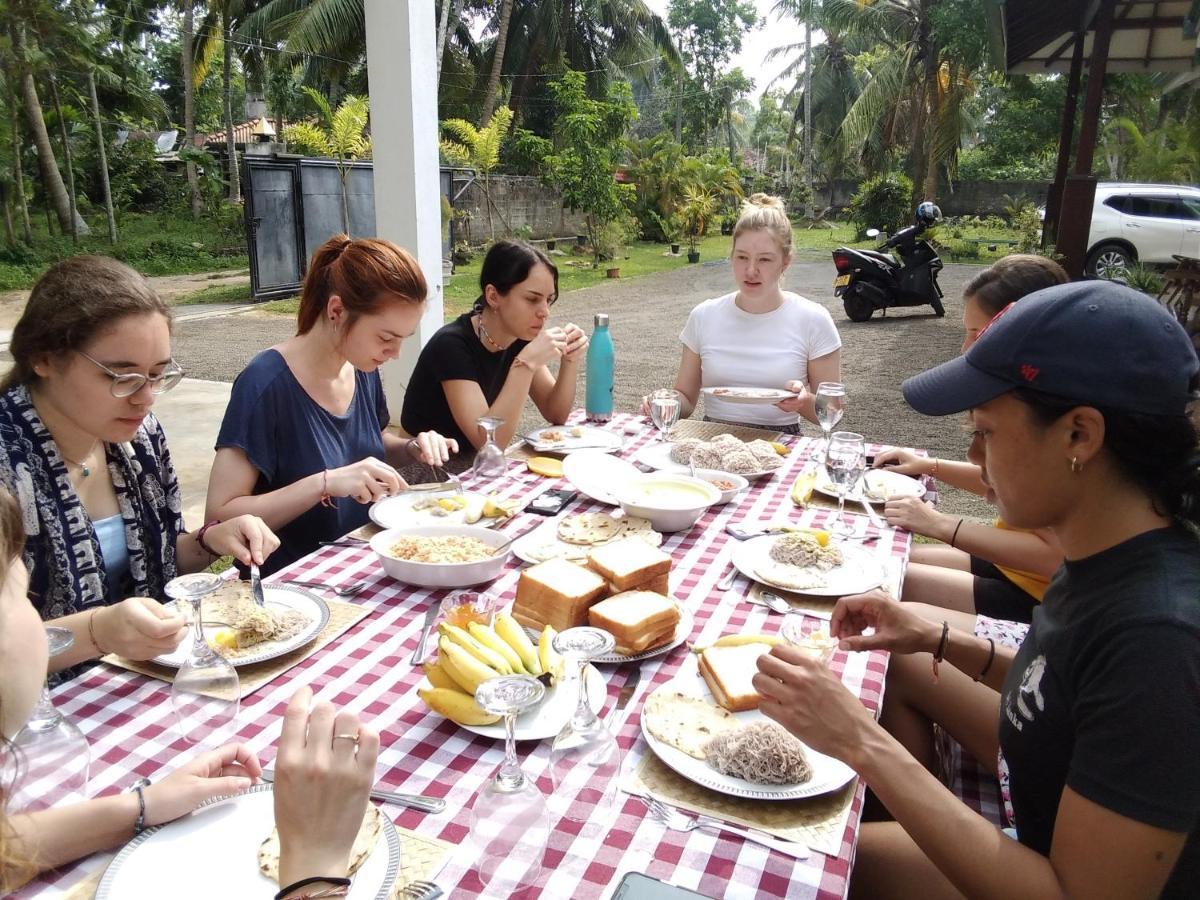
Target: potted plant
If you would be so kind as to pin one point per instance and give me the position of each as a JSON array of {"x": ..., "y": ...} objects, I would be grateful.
[
  {"x": 611, "y": 238},
  {"x": 551, "y": 243},
  {"x": 697, "y": 208}
]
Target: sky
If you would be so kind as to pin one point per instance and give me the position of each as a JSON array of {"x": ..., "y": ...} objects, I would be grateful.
[{"x": 757, "y": 43}]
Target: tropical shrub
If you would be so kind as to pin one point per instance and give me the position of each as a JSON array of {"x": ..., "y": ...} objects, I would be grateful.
[{"x": 881, "y": 202}]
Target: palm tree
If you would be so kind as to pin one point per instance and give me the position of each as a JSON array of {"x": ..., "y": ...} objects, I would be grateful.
[
  {"x": 342, "y": 137},
  {"x": 478, "y": 148},
  {"x": 803, "y": 10},
  {"x": 493, "y": 88},
  {"x": 187, "y": 38},
  {"x": 218, "y": 30}
]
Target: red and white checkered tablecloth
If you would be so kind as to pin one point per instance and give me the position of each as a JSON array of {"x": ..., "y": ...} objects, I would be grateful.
[{"x": 128, "y": 718}]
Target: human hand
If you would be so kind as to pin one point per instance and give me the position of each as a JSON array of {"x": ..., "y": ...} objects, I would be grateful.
[
  {"x": 797, "y": 403},
  {"x": 217, "y": 773},
  {"x": 432, "y": 448},
  {"x": 805, "y": 697},
  {"x": 545, "y": 348},
  {"x": 905, "y": 462},
  {"x": 918, "y": 516},
  {"x": 365, "y": 481},
  {"x": 246, "y": 538},
  {"x": 137, "y": 628},
  {"x": 577, "y": 342},
  {"x": 897, "y": 628},
  {"x": 321, "y": 785}
]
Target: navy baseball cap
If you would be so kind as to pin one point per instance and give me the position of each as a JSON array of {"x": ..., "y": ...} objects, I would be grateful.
[{"x": 1095, "y": 343}]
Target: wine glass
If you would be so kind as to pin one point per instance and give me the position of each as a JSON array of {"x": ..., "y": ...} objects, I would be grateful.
[
  {"x": 509, "y": 824},
  {"x": 54, "y": 753},
  {"x": 585, "y": 760},
  {"x": 830, "y": 404},
  {"x": 206, "y": 691},
  {"x": 845, "y": 460},
  {"x": 489, "y": 461},
  {"x": 664, "y": 411}
]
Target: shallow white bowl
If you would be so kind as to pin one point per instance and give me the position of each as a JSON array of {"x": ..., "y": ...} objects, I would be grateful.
[
  {"x": 441, "y": 575},
  {"x": 668, "y": 512},
  {"x": 739, "y": 483}
]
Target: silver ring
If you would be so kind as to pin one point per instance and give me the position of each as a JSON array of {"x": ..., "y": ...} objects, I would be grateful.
[{"x": 346, "y": 737}]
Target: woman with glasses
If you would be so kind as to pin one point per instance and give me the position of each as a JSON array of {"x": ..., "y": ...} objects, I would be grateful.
[
  {"x": 89, "y": 465},
  {"x": 489, "y": 360}
]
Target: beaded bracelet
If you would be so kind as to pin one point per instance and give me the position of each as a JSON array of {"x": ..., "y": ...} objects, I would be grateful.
[{"x": 341, "y": 884}]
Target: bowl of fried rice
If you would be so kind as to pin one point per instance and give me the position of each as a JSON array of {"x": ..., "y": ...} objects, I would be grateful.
[{"x": 441, "y": 556}]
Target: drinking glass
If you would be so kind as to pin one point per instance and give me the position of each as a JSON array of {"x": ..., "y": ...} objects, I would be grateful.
[
  {"x": 845, "y": 460},
  {"x": 509, "y": 824},
  {"x": 489, "y": 461},
  {"x": 831, "y": 404},
  {"x": 54, "y": 756},
  {"x": 664, "y": 411},
  {"x": 585, "y": 760},
  {"x": 206, "y": 691}
]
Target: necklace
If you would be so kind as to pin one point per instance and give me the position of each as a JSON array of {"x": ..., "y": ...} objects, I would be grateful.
[
  {"x": 483, "y": 332},
  {"x": 84, "y": 469}
]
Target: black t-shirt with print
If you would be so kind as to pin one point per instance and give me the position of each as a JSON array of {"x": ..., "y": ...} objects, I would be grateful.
[
  {"x": 454, "y": 353},
  {"x": 1104, "y": 695}
]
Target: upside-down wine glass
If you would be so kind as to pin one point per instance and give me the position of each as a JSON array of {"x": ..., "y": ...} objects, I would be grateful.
[
  {"x": 845, "y": 460},
  {"x": 664, "y": 411},
  {"x": 489, "y": 461},
  {"x": 585, "y": 759},
  {"x": 54, "y": 755},
  {"x": 510, "y": 825},
  {"x": 206, "y": 691},
  {"x": 830, "y": 406}
]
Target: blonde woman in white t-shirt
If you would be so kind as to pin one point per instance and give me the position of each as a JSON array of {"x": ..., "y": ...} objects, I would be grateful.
[{"x": 759, "y": 335}]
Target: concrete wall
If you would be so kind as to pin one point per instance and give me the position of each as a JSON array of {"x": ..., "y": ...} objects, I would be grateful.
[
  {"x": 522, "y": 201},
  {"x": 968, "y": 198}
]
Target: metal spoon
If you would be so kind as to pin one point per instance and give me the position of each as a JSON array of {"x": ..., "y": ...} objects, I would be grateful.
[
  {"x": 775, "y": 603},
  {"x": 345, "y": 590}
]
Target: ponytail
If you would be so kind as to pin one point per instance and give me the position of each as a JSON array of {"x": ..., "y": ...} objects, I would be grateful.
[{"x": 365, "y": 274}]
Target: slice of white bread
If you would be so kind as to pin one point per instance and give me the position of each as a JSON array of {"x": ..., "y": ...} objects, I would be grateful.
[
  {"x": 659, "y": 584},
  {"x": 629, "y": 563},
  {"x": 639, "y": 620},
  {"x": 558, "y": 593},
  {"x": 728, "y": 672}
]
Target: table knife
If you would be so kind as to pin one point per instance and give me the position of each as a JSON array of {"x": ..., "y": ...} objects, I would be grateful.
[
  {"x": 871, "y": 514},
  {"x": 431, "y": 614},
  {"x": 416, "y": 801},
  {"x": 256, "y": 590}
]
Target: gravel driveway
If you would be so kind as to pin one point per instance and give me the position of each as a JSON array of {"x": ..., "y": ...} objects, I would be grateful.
[{"x": 647, "y": 315}]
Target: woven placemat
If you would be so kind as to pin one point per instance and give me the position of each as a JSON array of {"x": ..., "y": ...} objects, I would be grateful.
[
  {"x": 698, "y": 429},
  {"x": 819, "y": 822},
  {"x": 421, "y": 858},
  {"x": 342, "y": 616}
]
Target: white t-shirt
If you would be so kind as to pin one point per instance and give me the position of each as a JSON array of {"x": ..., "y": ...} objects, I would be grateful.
[{"x": 741, "y": 349}]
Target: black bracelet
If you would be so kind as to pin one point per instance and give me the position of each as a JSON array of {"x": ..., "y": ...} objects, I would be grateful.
[
  {"x": 954, "y": 537},
  {"x": 991, "y": 656},
  {"x": 304, "y": 882},
  {"x": 941, "y": 650}
]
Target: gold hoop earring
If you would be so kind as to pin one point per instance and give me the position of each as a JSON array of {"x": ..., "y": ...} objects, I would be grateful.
[{"x": 1076, "y": 465}]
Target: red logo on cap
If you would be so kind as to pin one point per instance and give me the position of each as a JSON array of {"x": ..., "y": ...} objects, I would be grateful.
[{"x": 1029, "y": 372}]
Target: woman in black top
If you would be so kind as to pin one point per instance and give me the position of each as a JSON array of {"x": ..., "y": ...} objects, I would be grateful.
[
  {"x": 486, "y": 362},
  {"x": 1079, "y": 398}
]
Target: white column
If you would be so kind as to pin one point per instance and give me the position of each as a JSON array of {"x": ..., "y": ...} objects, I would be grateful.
[{"x": 404, "y": 127}]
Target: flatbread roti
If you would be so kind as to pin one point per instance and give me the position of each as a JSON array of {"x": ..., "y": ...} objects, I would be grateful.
[
  {"x": 590, "y": 528},
  {"x": 364, "y": 843},
  {"x": 793, "y": 578},
  {"x": 685, "y": 722},
  {"x": 558, "y": 548}
]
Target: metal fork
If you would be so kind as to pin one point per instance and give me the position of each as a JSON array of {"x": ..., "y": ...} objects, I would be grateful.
[
  {"x": 420, "y": 890},
  {"x": 675, "y": 820},
  {"x": 451, "y": 483}
]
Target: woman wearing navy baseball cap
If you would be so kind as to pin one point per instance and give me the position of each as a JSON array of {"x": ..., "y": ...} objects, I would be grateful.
[{"x": 1080, "y": 401}]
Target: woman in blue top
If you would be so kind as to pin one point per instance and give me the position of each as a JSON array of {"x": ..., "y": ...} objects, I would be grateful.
[
  {"x": 303, "y": 443},
  {"x": 1080, "y": 399}
]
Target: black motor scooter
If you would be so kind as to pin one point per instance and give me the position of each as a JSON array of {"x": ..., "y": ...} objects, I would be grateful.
[{"x": 868, "y": 280}]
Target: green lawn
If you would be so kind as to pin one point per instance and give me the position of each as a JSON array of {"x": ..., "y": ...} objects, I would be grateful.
[{"x": 220, "y": 293}]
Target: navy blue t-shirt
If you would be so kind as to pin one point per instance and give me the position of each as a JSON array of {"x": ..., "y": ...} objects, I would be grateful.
[{"x": 287, "y": 436}]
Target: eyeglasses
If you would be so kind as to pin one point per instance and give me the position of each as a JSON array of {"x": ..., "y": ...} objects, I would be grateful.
[{"x": 128, "y": 384}]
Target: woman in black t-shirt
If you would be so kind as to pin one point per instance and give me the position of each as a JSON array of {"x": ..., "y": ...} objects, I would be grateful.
[
  {"x": 1080, "y": 397},
  {"x": 486, "y": 362}
]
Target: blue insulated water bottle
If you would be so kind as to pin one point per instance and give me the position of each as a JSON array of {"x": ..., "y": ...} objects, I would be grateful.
[{"x": 599, "y": 402}]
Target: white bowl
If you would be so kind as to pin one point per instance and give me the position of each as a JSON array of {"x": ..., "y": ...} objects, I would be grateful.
[
  {"x": 711, "y": 475},
  {"x": 671, "y": 502},
  {"x": 441, "y": 575}
]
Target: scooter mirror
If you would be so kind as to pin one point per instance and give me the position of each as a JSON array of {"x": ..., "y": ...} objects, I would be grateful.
[{"x": 872, "y": 232}]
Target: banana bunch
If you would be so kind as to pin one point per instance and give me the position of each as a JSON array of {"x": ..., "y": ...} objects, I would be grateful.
[
  {"x": 737, "y": 640},
  {"x": 468, "y": 657}
]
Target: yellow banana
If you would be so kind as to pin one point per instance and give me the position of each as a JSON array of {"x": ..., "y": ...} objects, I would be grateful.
[
  {"x": 781, "y": 449},
  {"x": 464, "y": 668},
  {"x": 551, "y": 660},
  {"x": 439, "y": 677},
  {"x": 475, "y": 510},
  {"x": 514, "y": 635},
  {"x": 493, "y": 641},
  {"x": 456, "y": 706},
  {"x": 736, "y": 640},
  {"x": 485, "y": 655},
  {"x": 802, "y": 487}
]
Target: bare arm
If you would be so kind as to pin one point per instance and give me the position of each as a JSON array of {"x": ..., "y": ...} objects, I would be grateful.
[
  {"x": 823, "y": 368},
  {"x": 555, "y": 396},
  {"x": 688, "y": 381},
  {"x": 963, "y": 475},
  {"x": 231, "y": 492},
  {"x": 467, "y": 404}
]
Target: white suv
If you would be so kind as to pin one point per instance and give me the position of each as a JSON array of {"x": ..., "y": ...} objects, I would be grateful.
[{"x": 1142, "y": 223}]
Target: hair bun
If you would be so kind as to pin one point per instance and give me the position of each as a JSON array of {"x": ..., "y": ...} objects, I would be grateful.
[{"x": 766, "y": 201}]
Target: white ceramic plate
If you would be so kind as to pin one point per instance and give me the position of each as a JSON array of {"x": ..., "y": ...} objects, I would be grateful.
[
  {"x": 749, "y": 395},
  {"x": 276, "y": 596},
  {"x": 884, "y": 486},
  {"x": 523, "y": 547},
  {"x": 860, "y": 571},
  {"x": 213, "y": 852},
  {"x": 828, "y": 774},
  {"x": 543, "y": 439},
  {"x": 682, "y": 632},
  {"x": 547, "y": 718},
  {"x": 398, "y": 511},
  {"x": 596, "y": 474},
  {"x": 658, "y": 456}
]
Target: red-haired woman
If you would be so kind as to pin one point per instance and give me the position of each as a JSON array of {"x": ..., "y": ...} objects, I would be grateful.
[{"x": 303, "y": 443}]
